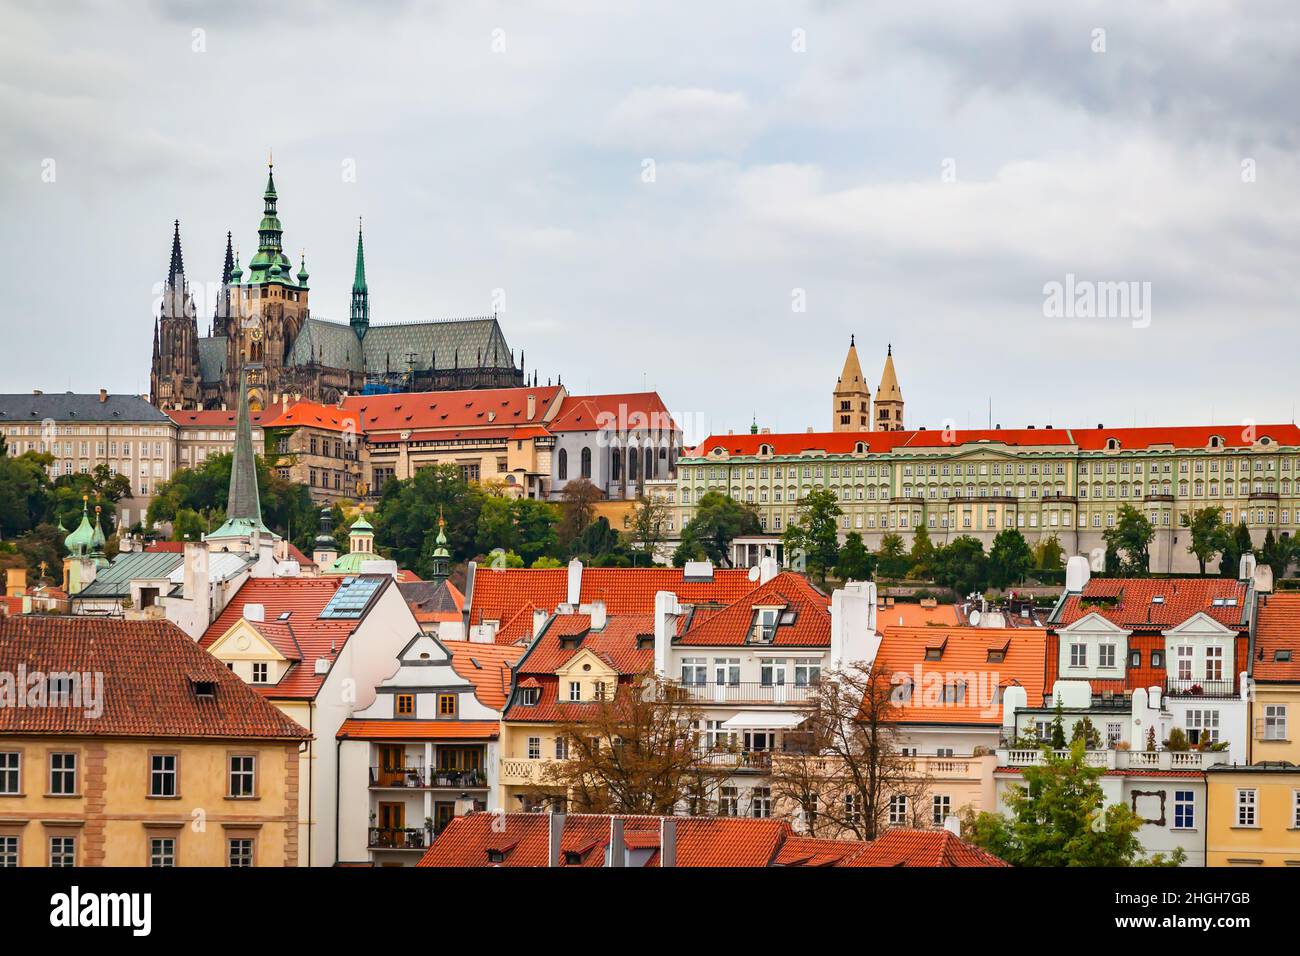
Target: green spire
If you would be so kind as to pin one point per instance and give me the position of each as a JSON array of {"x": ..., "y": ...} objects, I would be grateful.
[
  {"x": 441, "y": 557},
  {"x": 359, "y": 318},
  {"x": 98, "y": 542},
  {"x": 243, "y": 508},
  {"x": 302, "y": 272},
  {"x": 270, "y": 262}
]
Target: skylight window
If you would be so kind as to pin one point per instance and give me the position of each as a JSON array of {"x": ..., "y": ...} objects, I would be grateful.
[
  {"x": 1158, "y": 599},
  {"x": 1282, "y": 655},
  {"x": 349, "y": 601}
]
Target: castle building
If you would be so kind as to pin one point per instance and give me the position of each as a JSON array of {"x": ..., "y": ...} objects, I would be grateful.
[
  {"x": 262, "y": 322},
  {"x": 851, "y": 398}
]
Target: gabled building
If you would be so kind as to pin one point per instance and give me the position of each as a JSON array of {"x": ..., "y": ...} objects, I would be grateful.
[
  {"x": 316, "y": 648},
  {"x": 1274, "y": 707},
  {"x": 425, "y": 751},
  {"x": 617, "y": 442},
  {"x": 124, "y": 744}
]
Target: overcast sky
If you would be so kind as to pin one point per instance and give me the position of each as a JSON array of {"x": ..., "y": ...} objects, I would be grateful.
[{"x": 658, "y": 188}]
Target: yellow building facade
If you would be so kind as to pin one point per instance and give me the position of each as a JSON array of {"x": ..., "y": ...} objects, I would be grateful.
[{"x": 1253, "y": 816}]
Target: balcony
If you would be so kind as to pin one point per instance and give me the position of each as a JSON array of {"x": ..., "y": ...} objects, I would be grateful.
[
  {"x": 1210, "y": 689},
  {"x": 402, "y": 778},
  {"x": 753, "y": 761},
  {"x": 383, "y": 838},
  {"x": 747, "y": 693},
  {"x": 1134, "y": 760},
  {"x": 518, "y": 772}
]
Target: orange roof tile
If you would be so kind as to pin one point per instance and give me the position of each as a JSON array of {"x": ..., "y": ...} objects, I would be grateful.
[
  {"x": 965, "y": 651},
  {"x": 314, "y": 415},
  {"x": 1156, "y": 603},
  {"x": 149, "y": 672},
  {"x": 211, "y": 418},
  {"x": 357, "y": 729},
  {"x": 908, "y": 614},
  {"x": 1277, "y": 630},
  {"x": 627, "y": 412},
  {"x": 928, "y": 848},
  {"x": 487, "y": 666},
  {"x": 791, "y": 592},
  {"x": 465, "y": 409}
]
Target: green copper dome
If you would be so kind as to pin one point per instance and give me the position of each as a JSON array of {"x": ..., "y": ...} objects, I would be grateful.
[
  {"x": 362, "y": 526},
  {"x": 302, "y": 272},
  {"x": 80, "y": 542}
]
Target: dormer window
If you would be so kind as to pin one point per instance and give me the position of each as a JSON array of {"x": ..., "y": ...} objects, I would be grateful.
[
  {"x": 260, "y": 672},
  {"x": 496, "y": 856},
  {"x": 529, "y": 696},
  {"x": 765, "y": 622},
  {"x": 996, "y": 655},
  {"x": 935, "y": 651}
]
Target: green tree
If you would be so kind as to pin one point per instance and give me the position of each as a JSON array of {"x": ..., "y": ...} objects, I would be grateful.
[
  {"x": 1059, "y": 818},
  {"x": 813, "y": 534},
  {"x": 1207, "y": 535},
  {"x": 535, "y": 523},
  {"x": 649, "y": 520},
  {"x": 1233, "y": 543},
  {"x": 892, "y": 560},
  {"x": 923, "y": 553},
  {"x": 855, "y": 563},
  {"x": 718, "y": 519},
  {"x": 1009, "y": 559},
  {"x": 1278, "y": 553},
  {"x": 24, "y": 491},
  {"x": 1048, "y": 553},
  {"x": 496, "y": 525},
  {"x": 577, "y": 509},
  {"x": 406, "y": 518},
  {"x": 598, "y": 542},
  {"x": 1130, "y": 539},
  {"x": 1085, "y": 731},
  {"x": 1058, "y": 726},
  {"x": 962, "y": 565}
]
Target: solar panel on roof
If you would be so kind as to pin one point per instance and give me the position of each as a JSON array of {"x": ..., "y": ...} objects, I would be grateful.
[{"x": 350, "y": 600}]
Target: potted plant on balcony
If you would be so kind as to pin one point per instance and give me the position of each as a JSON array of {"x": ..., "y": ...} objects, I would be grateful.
[
  {"x": 1196, "y": 690},
  {"x": 1178, "y": 741}
]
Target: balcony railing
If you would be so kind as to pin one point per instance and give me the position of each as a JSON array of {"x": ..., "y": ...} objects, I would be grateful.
[
  {"x": 747, "y": 693},
  {"x": 1135, "y": 760},
  {"x": 1220, "y": 689},
  {"x": 758, "y": 761},
  {"x": 411, "y": 838},
  {"x": 420, "y": 777}
]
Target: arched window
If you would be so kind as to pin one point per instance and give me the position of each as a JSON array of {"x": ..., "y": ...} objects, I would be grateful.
[
  {"x": 564, "y": 464},
  {"x": 586, "y": 462},
  {"x": 633, "y": 459},
  {"x": 649, "y": 463},
  {"x": 615, "y": 463}
]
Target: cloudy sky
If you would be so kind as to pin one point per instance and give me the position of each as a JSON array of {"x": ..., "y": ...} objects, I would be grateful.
[{"x": 705, "y": 198}]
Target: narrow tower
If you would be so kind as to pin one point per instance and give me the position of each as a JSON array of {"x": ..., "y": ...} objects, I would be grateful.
[
  {"x": 359, "y": 316},
  {"x": 889, "y": 398},
  {"x": 852, "y": 396},
  {"x": 174, "y": 375},
  {"x": 243, "y": 524}
]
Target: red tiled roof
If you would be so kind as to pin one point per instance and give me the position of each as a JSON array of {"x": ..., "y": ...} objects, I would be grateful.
[
  {"x": 504, "y": 594},
  {"x": 149, "y": 670},
  {"x": 929, "y": 848},
  {"x": 1132, "y": 605},
  {"x": 628, "y": 412},
  {"x": 211, "y": 418},
  {"x": 304, "y": 598},
  {"x": 1277, "y": 628},
  {"x": 1085, "y": 439},
  {"x": 315, "y": 415},
  {"x": 408, "y": 411},
  {"x": 487, "y": 666},
  {"x": 357, "y": 729},
  {"x": 965, "y": 651},
  {"x": 11, "y": 605},
  {"x": 523, "y": 840},
  {"x": 790, "y": 591},
  {"x": 909, "y": 614}
]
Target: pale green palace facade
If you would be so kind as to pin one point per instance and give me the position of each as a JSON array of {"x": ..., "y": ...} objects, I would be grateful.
[{"x": 1067, "y": 482}]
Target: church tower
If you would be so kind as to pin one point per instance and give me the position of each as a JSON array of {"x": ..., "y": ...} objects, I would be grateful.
[
  {"x": 174, "y": 380},
  {"x": 889, "y": 398},
  {"x": 852, "y": 396},
  {"x": 269, "y": 308},
  {"x": 359, "y": 313}
]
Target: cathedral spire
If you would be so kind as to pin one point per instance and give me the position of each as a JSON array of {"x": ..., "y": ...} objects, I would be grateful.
[
  {"x": 228, "y": 266},
  {"x": 177, "y": 266},
  {"x": 270, "y": 262},
  {"x": 243, "y": 507},
  {"x": 359, "y": 317}
]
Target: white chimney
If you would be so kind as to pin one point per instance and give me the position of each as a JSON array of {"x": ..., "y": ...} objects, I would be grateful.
[
  {"x": 952, "y": 823},
  {"x": 195, "y": 587},
  {"x": 532, "y": 406},
  {"x": 1263, "y": 579},
  {"x": 1247, "y": 567},
  {"x": 853, "y": 625},
  {"x": 1153, "y": 696},
  {"x": 597, "y": 611},
  {"x": 667, "y": 611},
  {"x": 540, "y": 617},
  {"x": 555, "y": 838},
  {"x": 768, "y": 568},
  {"x": 254, "y": 612},
  {"x": 1077, "y": 573},
  {"x": 322, "y": 665},
  {"x": 575, "y": 582},
  {"x": 1013, "y": 698}
]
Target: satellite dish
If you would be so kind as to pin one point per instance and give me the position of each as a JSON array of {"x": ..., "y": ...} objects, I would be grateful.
[
  {"x": 974, "y": 618},
  {"x": 753, "y": 573}
]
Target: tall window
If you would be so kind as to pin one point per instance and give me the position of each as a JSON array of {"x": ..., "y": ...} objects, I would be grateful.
[
  {"x": 1275, "y": 722},
  {"x": 852, "y": 809},
  {"x": 728, "y": 802},
  {"x": 586, "y": 463},
  {"x": 1245, "y": 808},
  {"x": 561, "y": 747},
  {"x": 162, "y": 851},
  {"x": 242, "y": 775},
  {"x": 898, "y": 810},
  {"x": 63, "y": 851},
  {"x": 1106, "y": 655},
  {"x": 162, "y": 775},
  {"x": 9, "y": 771},
  {"x": 239, "y": 852},
  {"x": 63, "y": 773},
  {"x": 405, "y": 705},
  {"x": 534, "y": 748},
  {"x": 760, "y": 802},
  {"x": 1078, "y": 655},
  {"x": 1214, "y": 663},
  {"x": 575, "y": 690},
  {"x": 942, "y": 807},
  {"x": 562, "y": 470},
  {"x": 8, "y": 852},
  {"x": 1184, "y": 809},
  {"x": 1184, "y": 663}
]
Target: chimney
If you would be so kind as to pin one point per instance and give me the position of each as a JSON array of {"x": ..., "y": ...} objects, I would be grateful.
[
  {"x": 617, "y": 848},
  {"x": 556, "y": 837},
  {"x": 195, "y": 588},
  {"x": 37, "y": 391},
  {"x": 575, "y": 582},
  {"x": 1153, "y": 696},
  {"x": 1263, "y": 579},
  {"x": 540, "y": 617},
  {"x": 464, "y": 805},
  {"x": 952, "y": 823},
  {"x": 768, "y": 568},
  {"x": 532, "y": 407},
  {"x": 1247, "y": 567},
  {"x": 15, "y": 581},
  {"x": 598, "y": 617},
  {"x": 1077, "y": 572},
  {"x": 254, "y": 612},
  {"x": 667, "y": 612},
  {"x": 103, "y": 395},
  {"x": 667, "y": 842},
  {"x": 853, "y": 625}
]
